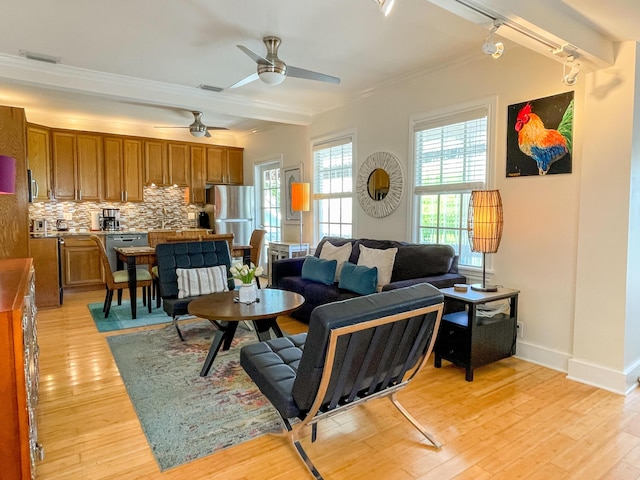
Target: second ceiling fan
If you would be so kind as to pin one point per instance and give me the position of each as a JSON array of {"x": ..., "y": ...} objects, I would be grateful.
[
  {"x": 272, "y": 71},
  {"x": 197, "y": 128}
]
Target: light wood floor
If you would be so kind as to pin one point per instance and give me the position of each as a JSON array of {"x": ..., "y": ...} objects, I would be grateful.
[{"x": 516, "y": 420}]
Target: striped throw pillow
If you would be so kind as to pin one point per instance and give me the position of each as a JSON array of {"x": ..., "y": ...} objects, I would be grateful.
[{"x": 202, "y": 281}]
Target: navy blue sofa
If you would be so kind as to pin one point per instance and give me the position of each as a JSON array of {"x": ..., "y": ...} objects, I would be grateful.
[{"x": 414, "y": 263}]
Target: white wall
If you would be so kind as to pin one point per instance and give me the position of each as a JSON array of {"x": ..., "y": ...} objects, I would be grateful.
[{"x": 538, "y": 253}]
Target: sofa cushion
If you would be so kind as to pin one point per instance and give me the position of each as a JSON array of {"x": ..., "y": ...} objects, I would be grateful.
[
  {"x": 340, "y": 254},
  {"x": 319, "y": 270},
  {"x": 381, "y": 259},
  {"x": 359, "y": 279},
  {"x": 417, "y": 261},
  {"x": 202, "y": 281}
]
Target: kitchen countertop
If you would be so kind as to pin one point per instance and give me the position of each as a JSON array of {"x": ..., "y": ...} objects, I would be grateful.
[{"x": 65, "y": 233}]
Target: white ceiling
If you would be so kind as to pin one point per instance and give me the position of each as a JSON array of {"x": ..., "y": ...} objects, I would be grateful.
[{"x": 139, "y": 62}]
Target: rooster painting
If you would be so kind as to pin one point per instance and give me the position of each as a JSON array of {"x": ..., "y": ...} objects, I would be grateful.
[{"x": 537, "y": 140}]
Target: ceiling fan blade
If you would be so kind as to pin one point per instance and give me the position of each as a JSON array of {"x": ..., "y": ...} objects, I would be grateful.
[
  {"x": 217, "y": 128},
  {"x": 206, "y": 133},
  {"x": 161, "y": 126},
  {"x": 244, "y": 81},
  {"x": 310, "y": 75},
  {"x": 254, "y": 56}
]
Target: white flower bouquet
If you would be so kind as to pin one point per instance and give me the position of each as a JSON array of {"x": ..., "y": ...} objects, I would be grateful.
[{"x": 245, "y": 273}]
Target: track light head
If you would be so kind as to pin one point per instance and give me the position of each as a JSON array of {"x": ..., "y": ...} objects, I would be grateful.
[
  {"x": 495, "y": 49},
  {"x": 571, "y": 78}
]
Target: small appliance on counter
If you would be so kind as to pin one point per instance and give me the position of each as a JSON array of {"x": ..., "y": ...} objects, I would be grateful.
[
  {"x": 61, "y": 225},
  {"x": 38, "y": 225},
  {"x": 203, "y": 220},
  {"x": 111, "y": 219}
]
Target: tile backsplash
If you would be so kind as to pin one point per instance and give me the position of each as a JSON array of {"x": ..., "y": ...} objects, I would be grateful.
[{"x": 133, "y": 215}]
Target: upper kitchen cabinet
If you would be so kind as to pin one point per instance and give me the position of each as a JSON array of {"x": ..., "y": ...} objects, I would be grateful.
[
  {"x": 224, "y": 165},
  {"x": 155, "y": 163},
  {"x": 77, "y": 166},
  {"x": 39, "y": 161},
  {"x": 179, "y": 164},
  {"x": 198, "y": 186},
  {"x": 123, "y": 166}
]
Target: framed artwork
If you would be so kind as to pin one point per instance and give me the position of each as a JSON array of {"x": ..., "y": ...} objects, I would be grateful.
[
  {"x": 291, "y": 175},
  {"x": 540, "y": 136}
]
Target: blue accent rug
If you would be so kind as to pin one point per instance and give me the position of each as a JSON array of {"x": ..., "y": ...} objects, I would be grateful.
[
  {"x": 120, "y": 316},
  {"x": 183, "y": 415}
]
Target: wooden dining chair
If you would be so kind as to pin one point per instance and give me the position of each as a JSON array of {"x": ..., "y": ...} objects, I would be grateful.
[
  {"x": 120, "y": 279},
  {"x": 256, "y": 242}
]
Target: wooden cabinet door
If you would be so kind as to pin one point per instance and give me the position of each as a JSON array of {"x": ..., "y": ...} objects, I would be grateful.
[
  {"x": 64, "y": 165},
  {"x": 81, "y": 265},
  {"x": 44, "y": 252},
  {"x": 197, "y": 189},
  {"x": 235, "y": 167},
  {"x": 90, "y": 167},
  {"x": 155, "y": 162},
  {"x": 132, "y": 171},
  {"x": 39, "y": 161},
  {"x": 179, "y": 167},
  {"x": 113, "y": 172},
  {"x": 216, "y": 160}
]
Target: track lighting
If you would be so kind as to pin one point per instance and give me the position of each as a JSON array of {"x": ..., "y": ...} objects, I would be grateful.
[
  {"x": 385, "y": 6},
  {"x": 571, "y": 77},
  {"x": 495, "y": 49}
]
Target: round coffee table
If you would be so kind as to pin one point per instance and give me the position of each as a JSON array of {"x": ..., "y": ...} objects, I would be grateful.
[{"x": 225, "y": 312}]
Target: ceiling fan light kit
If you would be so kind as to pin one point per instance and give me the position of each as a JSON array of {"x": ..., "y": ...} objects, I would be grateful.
[{"x": 272, "y": 71}]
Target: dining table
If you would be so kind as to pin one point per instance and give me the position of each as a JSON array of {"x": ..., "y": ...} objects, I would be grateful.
[{"x": 146, "y": 255}]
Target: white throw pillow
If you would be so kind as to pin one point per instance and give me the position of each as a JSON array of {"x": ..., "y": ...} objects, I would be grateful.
[
  {"x": 340, "y": 254},
  {"x": 202, "y": 281},
  {"x": 382, "y": 259}
]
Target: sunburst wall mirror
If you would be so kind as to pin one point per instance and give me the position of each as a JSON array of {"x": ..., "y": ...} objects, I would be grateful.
[{"x": 379, "y": 184}]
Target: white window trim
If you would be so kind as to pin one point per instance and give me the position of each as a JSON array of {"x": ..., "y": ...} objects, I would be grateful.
[
  {"x": 488, "y": 103},
  {"x": 318, "y": 141}
]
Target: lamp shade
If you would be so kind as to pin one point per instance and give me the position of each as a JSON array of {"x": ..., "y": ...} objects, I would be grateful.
[
  {"x": 7, "y": 175},
  {"x": 300, "y": 197},
  {"x": 485, "y": 221}
]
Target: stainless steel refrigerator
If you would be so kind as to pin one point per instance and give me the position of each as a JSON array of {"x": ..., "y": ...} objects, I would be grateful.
[{"x": 231, "y": 210}]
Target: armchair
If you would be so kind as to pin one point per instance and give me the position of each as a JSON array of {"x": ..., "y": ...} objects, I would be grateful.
[
  {"x": 355, "y": 350},
  {"x": 171, "y": 256}
]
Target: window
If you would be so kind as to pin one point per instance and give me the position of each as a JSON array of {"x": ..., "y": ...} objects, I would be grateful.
[
  {"x": 450, "y": 159},
  {"x": 268, "y": 200},
  {"x": 333, "y": 188}
]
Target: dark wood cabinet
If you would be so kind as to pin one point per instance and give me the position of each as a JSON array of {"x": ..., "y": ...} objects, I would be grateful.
[
  {"x": 19, "y": 447},
  {"x": 469, "y": 339}
]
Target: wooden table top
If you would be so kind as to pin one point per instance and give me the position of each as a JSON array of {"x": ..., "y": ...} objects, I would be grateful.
[{"x": 221, "y": 306}]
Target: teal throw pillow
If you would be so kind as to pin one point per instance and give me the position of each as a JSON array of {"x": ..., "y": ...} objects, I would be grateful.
[
  {"x": 358, "y": 278},
  {"x": 319, "y": 270}
]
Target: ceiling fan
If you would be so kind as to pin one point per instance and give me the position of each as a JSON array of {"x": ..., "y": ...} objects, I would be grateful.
[
  {"x": 272, "y": 71},
  {"x": 197, "y": 128}
]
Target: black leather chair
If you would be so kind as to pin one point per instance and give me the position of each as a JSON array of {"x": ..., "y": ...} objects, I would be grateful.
[
  {"x": 355, "y": 350},
  {"x": 170, "y": 256}
]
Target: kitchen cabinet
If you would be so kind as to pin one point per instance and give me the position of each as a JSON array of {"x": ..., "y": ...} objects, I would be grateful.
[
  {"x": 198, "y": 187},
  {"x": 179, "y": 164},
  {"x": 155, "y": 163},
  {"x": 81, "y": 265},
  {"x": 46, "y": 261},
  {"x": 39, "y": 161},
  {"x": 225, "y": 165},
  {"x": 19, "y": 447},
  {"x": 77, "y": 166},
  {"x": 123, "y": 167}
]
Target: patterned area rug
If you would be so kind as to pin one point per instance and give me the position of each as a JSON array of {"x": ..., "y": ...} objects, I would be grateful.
[
  {"x": 183, "y": 415},
  {"x": 120, "y": 316}
]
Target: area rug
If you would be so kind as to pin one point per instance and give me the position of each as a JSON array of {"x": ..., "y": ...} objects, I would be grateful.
[
  {"x": 183, "y": 415},
  {"x": 120, "y": 316}
]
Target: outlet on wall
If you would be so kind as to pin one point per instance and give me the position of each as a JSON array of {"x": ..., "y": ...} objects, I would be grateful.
[{"x": 520, "y": 329}]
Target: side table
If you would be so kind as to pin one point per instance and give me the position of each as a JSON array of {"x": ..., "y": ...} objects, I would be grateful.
[
  {"x": 280, "y": 250},
  {"x": 469, "y": 340}
]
